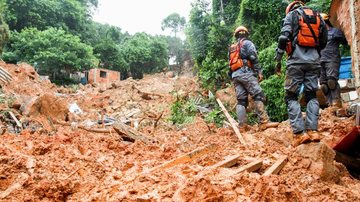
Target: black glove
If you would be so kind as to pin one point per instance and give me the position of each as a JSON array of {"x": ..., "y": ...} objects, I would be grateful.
[
  {"x": 230, "y": 73},
  {"x": 279, "y": 54}
]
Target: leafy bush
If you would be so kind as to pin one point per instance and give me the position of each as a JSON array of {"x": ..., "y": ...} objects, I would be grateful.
[
  {"x": 183, "y": 111},
  {"x": 274, "y": 91},
  {"x": 213, "y": 73},
  {"x": 266, "y": 58},
  {"x": 216, "y": 116}
]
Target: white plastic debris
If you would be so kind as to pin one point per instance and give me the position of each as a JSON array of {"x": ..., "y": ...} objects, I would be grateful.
[{"x": 74, "y": 108}]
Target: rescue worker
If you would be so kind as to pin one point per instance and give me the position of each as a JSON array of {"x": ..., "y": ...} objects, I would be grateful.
[
  {"x": 246, "y": 73},
  {"x": 302, "y": 36},
  {"x": 330, "y": 64}
]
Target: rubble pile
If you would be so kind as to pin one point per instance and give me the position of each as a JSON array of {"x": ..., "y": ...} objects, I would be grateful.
[{"x": 89, "y": 145}]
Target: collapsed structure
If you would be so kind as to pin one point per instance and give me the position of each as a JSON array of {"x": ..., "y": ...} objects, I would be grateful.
[{"x": 114, "y": 142}]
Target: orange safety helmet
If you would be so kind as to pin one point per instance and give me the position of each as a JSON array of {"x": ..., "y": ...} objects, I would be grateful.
[
  {"x": 293, "y": 5},
  {"x": 241, "y": 30}
]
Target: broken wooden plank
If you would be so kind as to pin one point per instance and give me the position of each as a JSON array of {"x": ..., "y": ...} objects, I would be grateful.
[
  {"x": 276, "y": 167},
  {"x": 125, "y": 130},
  {"x": 228, "y": 162},
  {"x": 233, "y": 123},
  {"x": 6, "y": 73},
  {"x": 186, "y": 157},
  {"x": 18, "y": 124},
  {"x": 250, "y": 167}
]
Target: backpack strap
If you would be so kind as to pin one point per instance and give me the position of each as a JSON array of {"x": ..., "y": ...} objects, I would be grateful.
[{"x": 301, "y": 11}]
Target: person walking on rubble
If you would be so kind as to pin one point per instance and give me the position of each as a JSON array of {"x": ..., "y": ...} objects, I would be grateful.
[
  {"x": 330, "y": 64},
  {"x": 302, "y": 37},
  {"x": 245, "y": 72}
]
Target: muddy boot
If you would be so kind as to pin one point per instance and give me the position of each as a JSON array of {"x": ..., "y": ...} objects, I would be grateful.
[
  {"x": 265, "y": 122},
  {"x": 301, "y": 138},
  {"x": 314, "y": 135}
]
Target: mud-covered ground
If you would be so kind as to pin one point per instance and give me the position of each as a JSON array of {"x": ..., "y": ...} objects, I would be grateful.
[{"x": 54, "y": 158}]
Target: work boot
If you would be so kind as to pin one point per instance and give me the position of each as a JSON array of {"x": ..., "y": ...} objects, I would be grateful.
[
  {"x": 265, "y": 122},
  {"x": 301, "y": 138},
  {"x": 314, "y": 135}
]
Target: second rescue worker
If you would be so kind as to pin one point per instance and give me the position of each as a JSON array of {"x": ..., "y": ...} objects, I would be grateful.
[{"x": 302, "y": 37}]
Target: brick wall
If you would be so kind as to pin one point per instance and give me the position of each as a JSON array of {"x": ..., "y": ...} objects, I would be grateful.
[
  {"x": 99, "y": 75},
  {"x": 345, "y": 14}
]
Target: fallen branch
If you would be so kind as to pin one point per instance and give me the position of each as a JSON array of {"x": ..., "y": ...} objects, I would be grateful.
[{"x": 71, "y": 174}]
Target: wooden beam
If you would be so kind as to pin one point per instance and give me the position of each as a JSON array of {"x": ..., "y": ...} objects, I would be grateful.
[
  {"x": 186, "y": 157},
  {"x": 15, "y": 119},
  {"x": 233, "y": 123},
  {"x": 6, "y": 73},
  {"x": 228, "y": 162},
  {"x": 124, "y": 130},
  {"x": 276, "y": 167},
  {"x": 250, "y": 167}
]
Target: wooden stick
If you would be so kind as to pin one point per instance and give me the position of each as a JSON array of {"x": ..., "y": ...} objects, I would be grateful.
[
  {"x": 186, "y": 157},
  {"x": 250, "y": 167},
  {"x": 228, "y": 162},
  {"x": 15, "y": 119},
  {"x": 232, "y": 122},
  {"x": 124, "y": 130},
  {"x": 6, "y": 73},
  {"x": 276, "y": 167}
]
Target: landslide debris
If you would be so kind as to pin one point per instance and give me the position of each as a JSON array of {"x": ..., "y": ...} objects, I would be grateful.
[{"x": 54, "y": 157}]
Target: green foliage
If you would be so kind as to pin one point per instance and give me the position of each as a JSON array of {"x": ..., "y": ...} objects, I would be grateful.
[
  {"x": 215, "y": 116},
  {"x": 263, "y": 19},
  {"x": 177, "y": 49},
  {"x": 52, "y": 49},
  {"x": 110, "y": 56},
  {"x": 275, "y": 97},
  {"x": 198, "y": 29},
  {"x": 213, "y": 72},
  {"x": 183, "y": 111},
  {"x": 266, "y": 58},
  {"x": 145, "y": 54},
  {"x": 320, "y": 5},
  {"x": 252, "y": 118},
  {"x": 71, "y": 15},
  {"x": 174, "y": 22},
  {"x": 4, "y": 28}
]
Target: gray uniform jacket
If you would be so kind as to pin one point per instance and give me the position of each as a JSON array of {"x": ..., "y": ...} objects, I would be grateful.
[
  {"x": 302, "y": 55},
  {"x": 331, "y": 52}
]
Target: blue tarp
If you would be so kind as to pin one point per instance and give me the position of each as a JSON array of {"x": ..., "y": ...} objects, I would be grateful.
[{"x": 345, "y": 68}]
